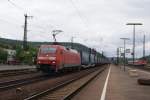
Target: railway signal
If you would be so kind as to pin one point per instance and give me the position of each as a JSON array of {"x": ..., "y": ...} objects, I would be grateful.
[
  {"x": 120, "y": 53},
  {"x": 124, "y": 39}
]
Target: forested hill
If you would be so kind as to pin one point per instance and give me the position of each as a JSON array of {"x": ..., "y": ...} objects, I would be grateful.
[{"x": 9, "y": 43}]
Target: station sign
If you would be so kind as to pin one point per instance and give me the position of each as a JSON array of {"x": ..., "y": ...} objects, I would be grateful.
[
  {"x": 122, "y": 54},
  {"x": 127, "y": 50}
]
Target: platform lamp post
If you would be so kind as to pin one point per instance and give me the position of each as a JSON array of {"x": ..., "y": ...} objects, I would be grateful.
[
  {"x": 117, "y": 56},
  {"x": 124, "y": 56},
  {"x": 133, "y": 52}
]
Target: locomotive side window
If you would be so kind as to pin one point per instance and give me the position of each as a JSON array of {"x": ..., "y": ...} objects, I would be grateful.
[{"x": 48, "y": 50}]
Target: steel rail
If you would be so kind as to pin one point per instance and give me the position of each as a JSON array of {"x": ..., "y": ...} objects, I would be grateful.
[{"x": 43, "y": 93}]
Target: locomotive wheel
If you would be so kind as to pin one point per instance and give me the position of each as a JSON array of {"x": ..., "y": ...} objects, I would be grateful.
[{"x": 143, "y": 81}]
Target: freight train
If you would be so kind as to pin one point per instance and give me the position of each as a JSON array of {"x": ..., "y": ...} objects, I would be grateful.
[{"x": 55, "y": 58}]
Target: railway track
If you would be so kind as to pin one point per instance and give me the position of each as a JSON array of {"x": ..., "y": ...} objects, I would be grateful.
[
  {"x": 8, "y": 73},
  {"x": 19, "y": 82},
  {"x": 5, "y": 85},
  {"x": 66, "y": 90}
]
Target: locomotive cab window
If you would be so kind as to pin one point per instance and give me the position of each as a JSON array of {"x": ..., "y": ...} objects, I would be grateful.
[{"x": 48, "y": 50}]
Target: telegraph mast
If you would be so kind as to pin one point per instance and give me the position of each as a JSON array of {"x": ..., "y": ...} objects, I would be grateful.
[{"x": 25, "y": 32}]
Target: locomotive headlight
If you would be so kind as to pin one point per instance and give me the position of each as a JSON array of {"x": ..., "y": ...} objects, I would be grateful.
[
  {"x": 52, "y": 58},
  {"x": 53, "y": 62},
  {"x": 40, "y": 58}
]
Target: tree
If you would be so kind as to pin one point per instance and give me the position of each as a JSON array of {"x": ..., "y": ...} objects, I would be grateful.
[
  {"x": 3, "y": 55},
  {"x": 26, "y": 56}
]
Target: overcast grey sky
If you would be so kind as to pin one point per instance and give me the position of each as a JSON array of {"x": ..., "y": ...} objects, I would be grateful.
[{"x": 96, "y": 23}]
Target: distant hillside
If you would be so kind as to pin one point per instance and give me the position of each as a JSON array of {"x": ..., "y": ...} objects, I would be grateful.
[{"x": 11, "y": 44}]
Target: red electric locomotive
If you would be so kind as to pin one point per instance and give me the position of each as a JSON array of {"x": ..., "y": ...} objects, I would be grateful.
[
  {"x": 138, "y": 62},
  {"x": 52, "y": 58}
]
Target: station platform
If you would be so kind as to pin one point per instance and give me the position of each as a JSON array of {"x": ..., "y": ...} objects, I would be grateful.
[
  {"x": 123, "y": 86},
  {"x": 15, "y": 67},
  {"x": 116, "y": 84}
]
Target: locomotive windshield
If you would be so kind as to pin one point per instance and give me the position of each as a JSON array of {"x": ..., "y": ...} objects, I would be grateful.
[{"x": 48, "y": 50}]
